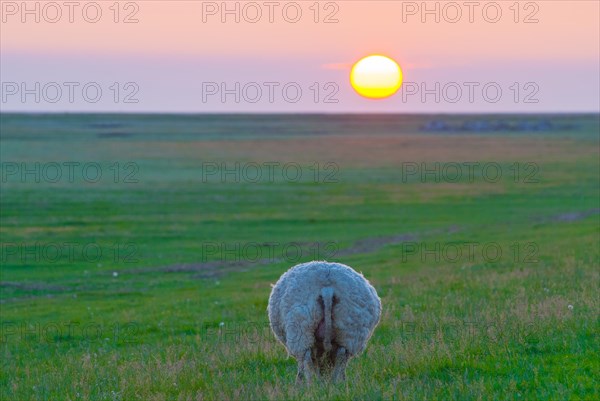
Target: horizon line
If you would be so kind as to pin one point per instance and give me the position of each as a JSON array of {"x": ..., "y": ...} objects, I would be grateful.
[{"x": 216, "y": 113}]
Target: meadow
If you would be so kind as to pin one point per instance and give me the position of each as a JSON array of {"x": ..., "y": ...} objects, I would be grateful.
[{"x": 138, "y": 253}]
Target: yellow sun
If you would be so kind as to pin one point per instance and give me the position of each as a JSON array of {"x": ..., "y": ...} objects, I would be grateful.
[{"x": 376, "y": 77}]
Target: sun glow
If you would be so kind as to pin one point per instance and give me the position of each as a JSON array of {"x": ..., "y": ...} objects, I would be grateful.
[{"x": 376, "y": 77}]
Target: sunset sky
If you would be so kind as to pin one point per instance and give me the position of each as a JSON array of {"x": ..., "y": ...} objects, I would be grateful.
[{"x": 178, "y": 50}]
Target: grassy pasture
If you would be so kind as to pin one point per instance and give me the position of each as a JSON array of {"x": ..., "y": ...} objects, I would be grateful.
[{"x": 151, "y": 280}]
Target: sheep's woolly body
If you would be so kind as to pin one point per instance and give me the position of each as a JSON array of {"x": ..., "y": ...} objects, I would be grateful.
[{"x": 298, "y": 301}]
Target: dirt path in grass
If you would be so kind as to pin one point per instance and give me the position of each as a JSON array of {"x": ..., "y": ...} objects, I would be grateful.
[
  {"x": 213, "y": 269},
  {"x": 366, "y": 245}
]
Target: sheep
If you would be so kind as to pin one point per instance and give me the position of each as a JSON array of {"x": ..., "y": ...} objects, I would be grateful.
[{"x": 324, "y": 314}]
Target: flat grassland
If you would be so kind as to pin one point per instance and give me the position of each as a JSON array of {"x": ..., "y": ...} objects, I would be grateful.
[{"x": 150, "y": 281}]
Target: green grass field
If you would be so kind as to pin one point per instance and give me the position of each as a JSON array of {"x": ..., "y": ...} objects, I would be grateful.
[{"x": 151, "y": 280}]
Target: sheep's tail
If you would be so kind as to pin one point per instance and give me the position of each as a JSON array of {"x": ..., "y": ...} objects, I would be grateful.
[{"x": 327, "y": 295}]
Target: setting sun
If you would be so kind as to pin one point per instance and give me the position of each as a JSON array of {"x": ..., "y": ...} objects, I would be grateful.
[{"x": 376, "y": 77}]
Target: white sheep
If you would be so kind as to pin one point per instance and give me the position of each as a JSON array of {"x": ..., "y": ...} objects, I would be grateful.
[{"x": 324, "y": 314}]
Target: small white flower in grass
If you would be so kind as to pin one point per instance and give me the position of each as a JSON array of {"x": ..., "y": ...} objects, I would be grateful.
[
  {"x": 115, "y": 274},
  {"x": 570, "y": 307},
  {"x": 221, "y": 324},
  {"x": 546, "y": 289}
]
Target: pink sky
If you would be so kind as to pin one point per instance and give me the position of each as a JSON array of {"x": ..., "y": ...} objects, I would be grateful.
[{"x": 170, "y": 55}]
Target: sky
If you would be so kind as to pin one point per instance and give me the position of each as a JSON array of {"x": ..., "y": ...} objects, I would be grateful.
[{"x": 284, "y": 56}]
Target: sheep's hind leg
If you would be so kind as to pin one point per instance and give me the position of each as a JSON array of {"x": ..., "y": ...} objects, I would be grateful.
[
  {"x": 300, "y": 375},
  {"x": 306, "y": 368},
  {"x": 341, "y": 360}
]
